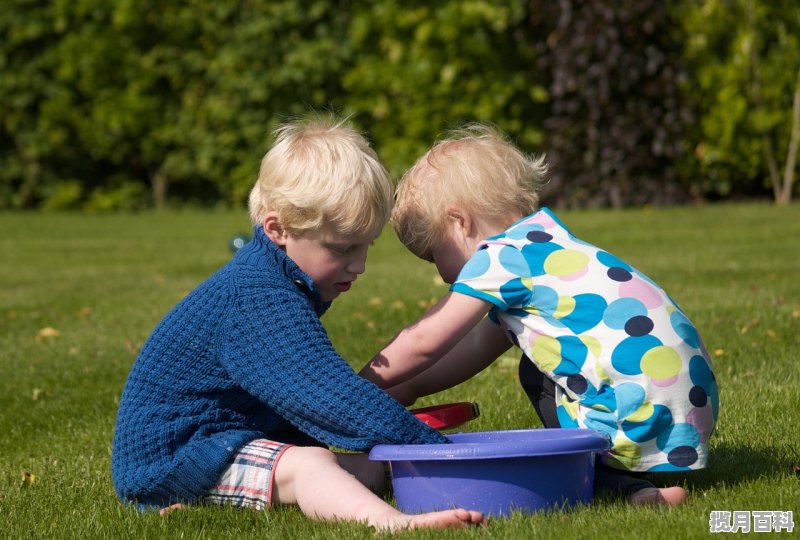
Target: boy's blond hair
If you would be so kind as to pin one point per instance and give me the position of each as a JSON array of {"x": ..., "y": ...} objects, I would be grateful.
[
  {"x": 322, "y": 173},
  {"x": 475, "y": 169}
]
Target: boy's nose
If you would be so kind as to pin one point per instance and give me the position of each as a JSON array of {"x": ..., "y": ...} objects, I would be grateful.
[{"x": 358, "y": 264}]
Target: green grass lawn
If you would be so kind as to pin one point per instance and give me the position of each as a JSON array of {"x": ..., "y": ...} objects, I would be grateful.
[{"x": 80, "y": 294}]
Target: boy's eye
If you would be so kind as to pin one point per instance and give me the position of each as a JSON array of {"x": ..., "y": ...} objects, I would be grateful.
[
  {"x": 340, "y": 250},
  {"x": 346, "y": 249}
]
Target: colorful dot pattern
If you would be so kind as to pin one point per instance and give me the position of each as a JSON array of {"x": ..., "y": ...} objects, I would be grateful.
[{"x": 625, "y": 359}]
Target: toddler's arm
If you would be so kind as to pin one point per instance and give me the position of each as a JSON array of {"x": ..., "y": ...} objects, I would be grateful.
[
  {"x": 423, "y": 343},
  {"x": 482, "y": 346}
]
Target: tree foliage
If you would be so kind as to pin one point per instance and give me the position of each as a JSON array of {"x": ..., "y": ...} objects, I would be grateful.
[
  {"x": 424, "y": 67},
  {"x": 746, "y": 57},
  {"x": 616, "y": 109},
  {"x": 131, "y": 96},
  {"x": 127, "y": 104}
]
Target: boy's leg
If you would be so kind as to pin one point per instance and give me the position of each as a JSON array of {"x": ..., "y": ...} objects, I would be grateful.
[
  {"x": 541, "y": 392},
  {"x": 312, "y": 478},
  {"x": 248, "y": 479},
  {"x": 370, "y": 473}
]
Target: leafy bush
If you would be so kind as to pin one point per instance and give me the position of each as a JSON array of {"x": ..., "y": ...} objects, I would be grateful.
[{"x": 634, "y": 101}]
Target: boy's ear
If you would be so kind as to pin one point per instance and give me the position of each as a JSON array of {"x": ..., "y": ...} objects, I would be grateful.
[{"x": 274, "y": 230}]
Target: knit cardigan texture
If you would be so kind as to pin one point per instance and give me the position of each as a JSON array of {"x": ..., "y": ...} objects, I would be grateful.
[{"x": 243, "y": 356}]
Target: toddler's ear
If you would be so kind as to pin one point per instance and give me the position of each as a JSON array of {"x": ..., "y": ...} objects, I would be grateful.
[
  {"x": 459, "y": 219},
  {"x": 274, "y": 230}
]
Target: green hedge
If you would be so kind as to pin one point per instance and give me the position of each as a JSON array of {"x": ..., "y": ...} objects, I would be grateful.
[{"x": 126, "y": 104}]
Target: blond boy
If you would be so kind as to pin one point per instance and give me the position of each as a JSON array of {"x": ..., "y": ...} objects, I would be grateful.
[{"x": 237, "y": 393}]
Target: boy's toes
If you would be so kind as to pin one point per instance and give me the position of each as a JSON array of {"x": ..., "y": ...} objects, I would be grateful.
[{"x": 170, "y": 508}]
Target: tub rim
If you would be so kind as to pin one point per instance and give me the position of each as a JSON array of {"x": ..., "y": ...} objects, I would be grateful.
[{"x": 544, "y": 442}]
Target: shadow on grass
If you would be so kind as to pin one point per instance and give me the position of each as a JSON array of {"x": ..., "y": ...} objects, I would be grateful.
[{"x": 732, "y": 465}]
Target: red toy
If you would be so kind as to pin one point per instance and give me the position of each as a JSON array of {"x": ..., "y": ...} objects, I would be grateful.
[{"x": 449, "y": 415}]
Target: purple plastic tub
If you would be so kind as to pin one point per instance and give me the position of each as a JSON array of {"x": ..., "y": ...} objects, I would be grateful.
[{"x": 495, "y": 472}]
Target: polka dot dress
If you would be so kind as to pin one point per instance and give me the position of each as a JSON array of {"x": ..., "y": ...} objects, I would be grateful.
[{"x": 625, "y": 359}]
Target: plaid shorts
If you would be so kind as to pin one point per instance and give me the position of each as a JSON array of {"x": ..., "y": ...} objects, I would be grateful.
[{"x": 247, "y": 482}]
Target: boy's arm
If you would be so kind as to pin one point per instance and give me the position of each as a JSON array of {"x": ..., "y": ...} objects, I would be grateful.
[
  {"x": 274, "y": 346},
  {"x": 482, "y": 346},
  {"x": 421, "y": 344}
]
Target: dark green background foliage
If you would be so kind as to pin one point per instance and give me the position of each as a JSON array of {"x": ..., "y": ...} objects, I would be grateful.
[
  {"x": 617, "y": 113},
  {"x": 123, "y": 104}
]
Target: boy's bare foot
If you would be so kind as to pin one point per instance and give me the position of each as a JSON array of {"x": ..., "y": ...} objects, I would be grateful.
[
  {"x": 446, "y": 519},
  {"x": 669, "y": 496},
  {"x": 170, "y": 508}
]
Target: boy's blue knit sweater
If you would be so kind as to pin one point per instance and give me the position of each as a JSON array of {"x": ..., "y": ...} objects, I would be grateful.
[{"x": 243, "y": 356}]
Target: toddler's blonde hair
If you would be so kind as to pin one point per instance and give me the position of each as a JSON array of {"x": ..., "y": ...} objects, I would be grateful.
[
  {"x": 322, "y": 173},
  {"x": 475, "y": 169}
]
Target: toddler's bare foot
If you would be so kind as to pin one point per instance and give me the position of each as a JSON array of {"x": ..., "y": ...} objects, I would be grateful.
[
  {"x": 457, "y": 518},
  {"x": 170, "y": 508},
  {"x": 669, "y": 496}
]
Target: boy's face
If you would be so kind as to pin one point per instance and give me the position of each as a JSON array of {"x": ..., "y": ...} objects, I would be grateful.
[{"x": 333, "y": 262}]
